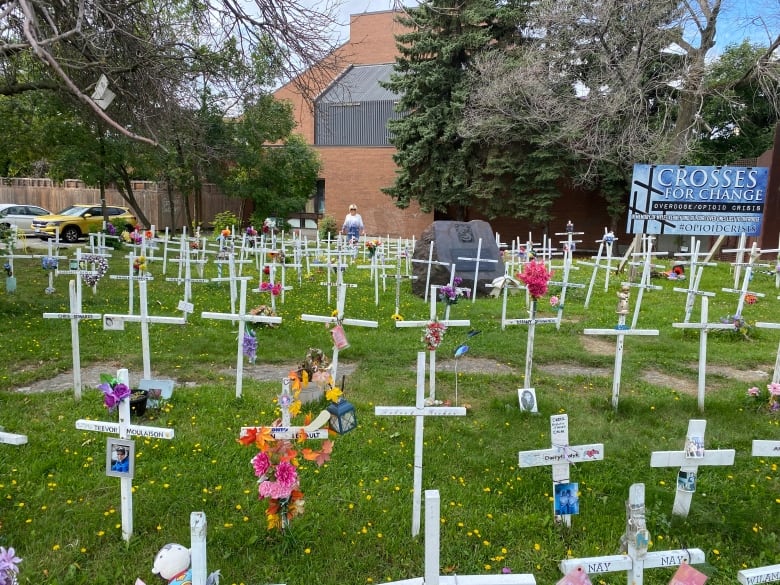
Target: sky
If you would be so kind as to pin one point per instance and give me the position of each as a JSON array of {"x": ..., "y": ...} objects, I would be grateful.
[{"x": 738, "y": 18}]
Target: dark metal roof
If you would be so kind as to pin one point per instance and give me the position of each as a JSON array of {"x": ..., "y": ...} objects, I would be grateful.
[{"x": 360, "y": 83}]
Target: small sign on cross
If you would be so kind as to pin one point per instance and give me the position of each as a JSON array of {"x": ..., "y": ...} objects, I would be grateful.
[
  {"x": 636, "y": 540},
  {"x": 561, "y": 456},
  {"x": 689, "y": 460},
  {"x": 125, "y": 430}
]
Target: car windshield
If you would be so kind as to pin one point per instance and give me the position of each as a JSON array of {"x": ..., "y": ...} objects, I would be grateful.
[{"x": 73, "y": 211}]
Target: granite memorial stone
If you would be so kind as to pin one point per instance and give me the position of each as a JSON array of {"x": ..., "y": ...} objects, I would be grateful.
[{"x": 457, "y": 242}]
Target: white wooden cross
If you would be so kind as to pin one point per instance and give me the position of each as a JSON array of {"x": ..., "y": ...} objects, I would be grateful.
[
  {"x": 562, "y": 455},
  {"x": 429, "y": 263},
  {"x": 532, "y": 322},
  {"x": 131, "y": 278},
  {"x": 644, "y": 281},
  {"x": 399, "y": 276},
  {"x": 432, "y": 551},
  {"x": 74, "y": 316},
  {"x": 704, "y": 328},
  {"x": 419, "y": 411},
  {"x": 11, "y": 438},
  {"x": 565, "y": 285},
  {"x": 376, "y": 265},
  {"x": 230, "y": 260},
  {"x": 125, "y": 430},
  {"x": 504, "y": 285},
  {"x": 53, "y": 262},
  {"x": 339, "y": 319},
  {"x": 569, "y": 243},
  {"x": 243, "y": 318},
  {"x": 620, "y": 332},
  {"x": 605, "y": 244},
  {"x": 768, "y": 574},
  {"x": 695, "y": 270},
  {"x": 764, "y": 448},
  {"x": 185, "y": 266},
  {"x": 690, "y": 459},
  {"x": 755, "y": 253},
  {"x": 477, "y": 261},
  {"x": 636, "y": 558},
  {"x": 116, "y": 322},
  {"x": 739, "y": 258},
  {"x": 432, "y": 353}
]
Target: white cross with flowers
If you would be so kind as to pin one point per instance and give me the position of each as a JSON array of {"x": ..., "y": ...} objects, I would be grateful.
[
  {"x": 535, "y": 276},
  {"x": 444, "y": 323},
  {"x": 125, "y": 431},
  {"x": 635, "y": 542},
  {"x": 243, "y": 318}
]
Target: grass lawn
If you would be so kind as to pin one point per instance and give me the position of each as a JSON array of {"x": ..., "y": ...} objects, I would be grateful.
[{"x": 61, "y": 512}]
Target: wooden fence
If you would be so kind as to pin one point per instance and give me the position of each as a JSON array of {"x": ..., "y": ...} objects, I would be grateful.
[{"x": 152, "y": 199}]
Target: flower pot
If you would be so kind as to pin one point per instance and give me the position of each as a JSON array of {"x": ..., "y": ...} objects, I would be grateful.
[{"x": 138, "y": 402}]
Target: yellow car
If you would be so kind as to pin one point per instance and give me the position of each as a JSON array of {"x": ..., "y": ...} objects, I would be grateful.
[{"x": 77, "y": 221}]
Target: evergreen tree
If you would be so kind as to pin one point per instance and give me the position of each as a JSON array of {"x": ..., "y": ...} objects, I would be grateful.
[{"x": 437, "y": 166}]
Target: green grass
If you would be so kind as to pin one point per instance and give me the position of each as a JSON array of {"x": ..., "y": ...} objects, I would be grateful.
[{"x": 62, "y": 514}]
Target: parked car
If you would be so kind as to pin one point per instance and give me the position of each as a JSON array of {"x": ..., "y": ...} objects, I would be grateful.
[
  {"x": 78, "y": 220},
  {"x": 21, "y": 215}
]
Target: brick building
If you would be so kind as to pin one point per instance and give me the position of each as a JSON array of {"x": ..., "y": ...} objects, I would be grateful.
[{"x": 346, "y": 124}]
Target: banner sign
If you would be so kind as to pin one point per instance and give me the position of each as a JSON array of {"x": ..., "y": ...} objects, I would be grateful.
[{"x": 693, "y": 200}]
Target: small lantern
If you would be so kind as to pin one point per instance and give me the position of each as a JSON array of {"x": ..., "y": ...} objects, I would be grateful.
[{"x": 343, "y": 417}]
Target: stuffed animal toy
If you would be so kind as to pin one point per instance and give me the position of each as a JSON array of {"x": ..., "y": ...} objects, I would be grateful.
[{"x": 172, "y": 564}]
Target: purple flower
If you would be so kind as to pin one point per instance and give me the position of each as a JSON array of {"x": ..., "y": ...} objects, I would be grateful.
[
  {"x": 506, "y": 570},
  {"x": 113, "y": 395},
  {"x": 8, "y": 565},
  {"x": 250, "y": 346}
]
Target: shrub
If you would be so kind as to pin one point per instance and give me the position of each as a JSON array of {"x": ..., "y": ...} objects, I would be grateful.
[
  {"x": 328, "y": 227},
  {"x": 226, "y": 219}
]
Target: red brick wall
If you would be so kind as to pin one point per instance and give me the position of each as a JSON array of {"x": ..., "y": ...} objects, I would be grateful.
[{"x": 356, "y": 175}]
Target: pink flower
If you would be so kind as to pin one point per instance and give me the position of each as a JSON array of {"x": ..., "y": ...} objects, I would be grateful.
[
  {"x": 774, "y": 389},
  {"x": 554, "y": 301},
  {"x": 261, "y": 463},
  {"x": 286, "y": 474},
  {"x": 753, "y": 391},
  {"x": 273, "y": 490},
  {"x": 535, "y": 276},
  {"x": 276, "y": 289}
]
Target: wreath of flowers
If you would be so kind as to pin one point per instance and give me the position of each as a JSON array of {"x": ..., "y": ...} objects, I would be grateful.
[
  {"x": 433, "y": 335},
  {"x": 101, "y": 267}
]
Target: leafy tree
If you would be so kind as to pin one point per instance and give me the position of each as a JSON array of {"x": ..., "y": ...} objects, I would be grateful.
[
  {"x": 437, "y": 165},
  {"x": 268, "y": 164},
  {"x": 155, "y": 55},
  {"x": 738, "y": 119},
  {"x": 611, "y": 82}
]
